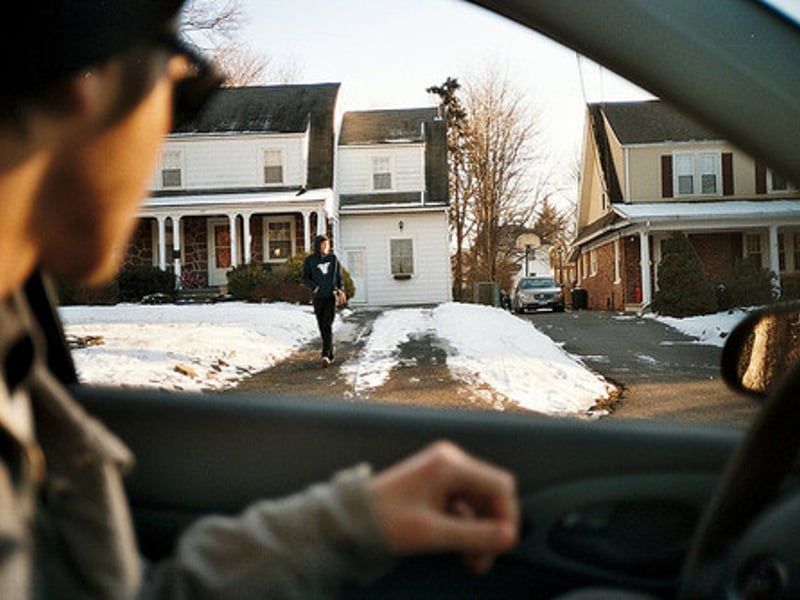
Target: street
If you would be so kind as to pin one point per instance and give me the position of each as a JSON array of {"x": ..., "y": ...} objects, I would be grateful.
[{"x": 663, "y": 373}]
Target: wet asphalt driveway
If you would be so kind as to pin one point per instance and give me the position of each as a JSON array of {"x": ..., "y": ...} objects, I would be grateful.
[{"x": 663, "y": 373}]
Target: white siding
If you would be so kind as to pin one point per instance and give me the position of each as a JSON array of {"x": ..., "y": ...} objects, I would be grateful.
[
  {"x": 354, "y": 167},
  {"x": 430, "y": 283},
  {"x": 235, "y": 161}
]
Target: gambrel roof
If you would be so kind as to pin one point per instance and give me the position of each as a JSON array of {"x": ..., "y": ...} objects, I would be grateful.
[
  {"x": 385, "y": 126},
  {"x": 650, "y": 122},
  {"x": 264, "y": 109}
]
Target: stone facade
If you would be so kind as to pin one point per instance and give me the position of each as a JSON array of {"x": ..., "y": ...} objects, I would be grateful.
[{"x": 194, "y": 245}]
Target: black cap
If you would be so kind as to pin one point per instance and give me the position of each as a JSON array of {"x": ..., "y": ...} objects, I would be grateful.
[{"x": 47, "y": 40}]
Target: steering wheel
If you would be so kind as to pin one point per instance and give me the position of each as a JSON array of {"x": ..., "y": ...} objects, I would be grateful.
[{"x": 749, "y": 483}]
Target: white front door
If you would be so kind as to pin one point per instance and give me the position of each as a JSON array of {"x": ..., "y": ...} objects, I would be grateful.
[
  {"x": 354, "y": 263},
  {"x": 219, "y": 251}
]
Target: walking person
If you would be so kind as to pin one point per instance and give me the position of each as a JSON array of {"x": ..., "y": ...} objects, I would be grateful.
[{"x": 322, "y": 273}]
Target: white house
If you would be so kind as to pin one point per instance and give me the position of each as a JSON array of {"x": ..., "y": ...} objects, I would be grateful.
[
  {"x": 252, "y": 179},
  {"x": 392, "y": 186}
]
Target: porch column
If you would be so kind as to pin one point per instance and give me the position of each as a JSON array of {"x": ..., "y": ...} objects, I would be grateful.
[
  {"x": 322, "y": 222},
  {"x": 644, "y": 253},
  {"x": 234, "y": 241},
  {"x": 176, "y": 250},
  {"x": 774, "y": 260},
  {"x": 306, "y": 231},
  {"x": 247, "y": 238},
  {"x": 162, "y": 242}
]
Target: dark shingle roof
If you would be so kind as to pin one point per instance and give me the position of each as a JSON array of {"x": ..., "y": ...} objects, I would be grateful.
[
  {"x": 267, "y": 109},
  {"x": 384, "y": 126},
  {"x": 652, "y": 121}
]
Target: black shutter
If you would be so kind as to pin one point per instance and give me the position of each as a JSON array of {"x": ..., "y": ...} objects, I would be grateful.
[
  {"x": 727, "y": 174},
  {"x": 666, "y": 176},
  {"x": 761, "y": 179}
]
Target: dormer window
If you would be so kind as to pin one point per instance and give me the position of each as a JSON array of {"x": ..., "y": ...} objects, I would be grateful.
[
  {"x": 273, "y": 166},
  {"x": 171, "y": 169},
  {"x": 697, "y": 174},
  {"x": 777, "y": 183},
  {"x": 381, "y": 173}
]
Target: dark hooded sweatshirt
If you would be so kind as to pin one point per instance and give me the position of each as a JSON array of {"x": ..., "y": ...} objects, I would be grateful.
[{"x": 322, "y": 272}]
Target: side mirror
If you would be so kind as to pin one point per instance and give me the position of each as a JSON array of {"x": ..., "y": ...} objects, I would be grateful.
[{"x": 762, "y": 349}]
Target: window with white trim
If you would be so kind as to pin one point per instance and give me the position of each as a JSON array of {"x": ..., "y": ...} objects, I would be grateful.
[
  {"x": 697, "y": 173},
  {"x": 777, "y": 184},
  {"x": 592, "y": 263},
  {"x": 617, "y": 258},
  {"x": 278, "y": 239},
  {"x": 273, "y": 166},
  {"x": 796, "y": 250},
  {"x": 381, "y": 173},
  {"x": 171, "y": 169},
  {"x": 753, "y": 247},
  {"x": 402, "y": 257}
]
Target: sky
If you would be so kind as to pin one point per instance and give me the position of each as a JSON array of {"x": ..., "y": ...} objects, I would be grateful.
[
  {"x": 221, "y": 344},
  {"x": 385, "y": 53}
]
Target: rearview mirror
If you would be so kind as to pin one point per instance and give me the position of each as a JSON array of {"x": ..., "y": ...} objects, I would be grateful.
[{"x": 762, "y": 349}]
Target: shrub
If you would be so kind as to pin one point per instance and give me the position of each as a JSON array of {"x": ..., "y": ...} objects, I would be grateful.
[
  {"x": 748, "y": 284},
  {"x": 349, "y": 286},
  {"x": 137, "y": 282},
  {"x": 294, "y": 267},
  {"x": 69, "y": 294},
  {"x": 683, "y": 289},
  {"x": 245, "y": 281},
  {"x": 256, "y": 282}
]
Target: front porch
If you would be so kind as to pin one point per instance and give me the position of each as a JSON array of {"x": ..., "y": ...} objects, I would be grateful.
[
  {"x": 200, "y": 238},
  {"x": 618, "y": 265}
]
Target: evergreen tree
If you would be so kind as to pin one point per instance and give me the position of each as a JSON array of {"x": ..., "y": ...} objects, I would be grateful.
[
  {"x": 456, "y": 119},
  {"x": 748, "y": 284},
  {"x": 551, "y": 224},
  {"x": 683, "y": 288}
]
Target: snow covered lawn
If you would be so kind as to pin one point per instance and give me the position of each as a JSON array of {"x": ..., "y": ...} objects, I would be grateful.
[{"x": 214, "y": 346}]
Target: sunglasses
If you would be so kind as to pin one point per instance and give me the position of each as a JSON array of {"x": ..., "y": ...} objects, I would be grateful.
[{"x": 192, "y": 92}]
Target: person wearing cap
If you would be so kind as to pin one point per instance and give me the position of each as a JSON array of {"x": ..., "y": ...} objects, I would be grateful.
[
  {"x": 322, "y": 274},
  {"x": 83, "y": 112}
]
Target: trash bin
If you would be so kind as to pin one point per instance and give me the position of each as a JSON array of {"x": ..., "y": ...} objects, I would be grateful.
[{"x": 580, "y": 299}]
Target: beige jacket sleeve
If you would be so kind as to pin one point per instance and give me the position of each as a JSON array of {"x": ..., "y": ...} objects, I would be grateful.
[{"x": 308, "y": 545}]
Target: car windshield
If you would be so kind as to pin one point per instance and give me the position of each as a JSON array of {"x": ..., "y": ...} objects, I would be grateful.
[
  {"x": 442, "y": 172},
  {"x": 540, "y": 282}
]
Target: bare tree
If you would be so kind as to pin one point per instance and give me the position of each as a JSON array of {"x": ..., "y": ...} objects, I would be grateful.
[
  {"x": 215, "y": 26},
  {"x": 502, "y": 189}
]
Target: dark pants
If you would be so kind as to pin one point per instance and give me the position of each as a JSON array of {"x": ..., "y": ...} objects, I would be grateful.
[{"x": 325, "y": 310}]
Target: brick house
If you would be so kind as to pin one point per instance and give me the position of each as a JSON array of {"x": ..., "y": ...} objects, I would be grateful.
[{"x": 648, "y": 171}]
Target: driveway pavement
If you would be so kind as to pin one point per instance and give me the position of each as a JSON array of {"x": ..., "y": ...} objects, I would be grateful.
[{"x": 663, "y": 373}]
